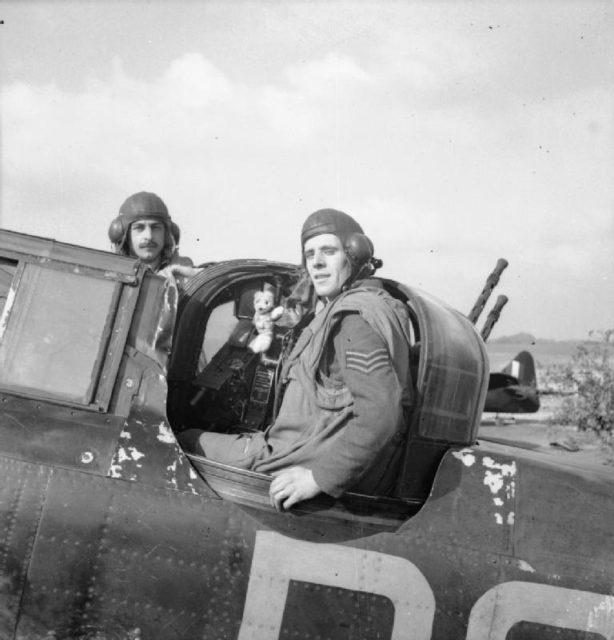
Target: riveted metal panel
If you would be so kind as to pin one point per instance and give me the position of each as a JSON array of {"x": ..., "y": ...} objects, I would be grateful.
[
  {"x": 123, "y": 560},
  {"x": 47, "y": 433},
  {"x": 22, "y": 492}
]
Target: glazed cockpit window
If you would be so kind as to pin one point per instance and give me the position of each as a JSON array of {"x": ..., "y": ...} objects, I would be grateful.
[
  {"x": 219, "y": 327},
  {"x": 55, "y": 333},
  {"x": 225, "y": 317}
]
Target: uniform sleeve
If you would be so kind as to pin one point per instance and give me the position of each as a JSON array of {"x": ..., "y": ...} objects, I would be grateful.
[{"x": 361, "y": 360}]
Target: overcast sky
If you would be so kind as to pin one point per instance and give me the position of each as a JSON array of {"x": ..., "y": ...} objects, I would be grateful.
[{"x": 455, "y": 132}]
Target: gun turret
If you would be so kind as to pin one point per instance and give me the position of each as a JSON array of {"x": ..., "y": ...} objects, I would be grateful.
[{"x": 491, "y": 283}]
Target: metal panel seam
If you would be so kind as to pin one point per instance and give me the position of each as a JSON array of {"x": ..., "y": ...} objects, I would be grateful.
[{"x": 29, "y": 553}]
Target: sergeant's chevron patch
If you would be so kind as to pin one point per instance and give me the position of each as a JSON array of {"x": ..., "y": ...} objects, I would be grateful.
[{"x": 366, "y": 362}]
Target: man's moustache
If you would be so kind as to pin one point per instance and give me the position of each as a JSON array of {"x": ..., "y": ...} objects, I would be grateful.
[{"x": 148, "y": 245}]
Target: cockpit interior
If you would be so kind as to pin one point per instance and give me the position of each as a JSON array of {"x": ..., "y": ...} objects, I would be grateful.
[{"x": 227, "y": 387}]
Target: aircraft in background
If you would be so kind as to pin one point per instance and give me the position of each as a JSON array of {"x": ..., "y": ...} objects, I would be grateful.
[
  {"x": 111, "y": 531},
  {"x": 514, "y": 389}
]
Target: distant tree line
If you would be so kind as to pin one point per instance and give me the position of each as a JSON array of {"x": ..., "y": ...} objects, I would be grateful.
[{"x": 523, "y": 338}]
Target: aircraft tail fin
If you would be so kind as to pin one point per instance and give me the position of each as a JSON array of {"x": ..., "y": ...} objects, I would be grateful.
[
  {"x": 522, "y": 367},
  {"x": 514, "y": 389}
]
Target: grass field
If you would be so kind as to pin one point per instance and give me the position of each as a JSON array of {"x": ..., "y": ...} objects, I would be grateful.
[{"x": 541, "y": 432}]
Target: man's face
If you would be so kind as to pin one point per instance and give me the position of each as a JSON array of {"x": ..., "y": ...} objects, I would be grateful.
[
  {"x": 147, "y": 240},
  {"x": 327, "y": 265}
]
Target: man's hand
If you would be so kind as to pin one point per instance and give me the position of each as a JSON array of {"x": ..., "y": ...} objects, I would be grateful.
[
  {"x": 179, "y": 270},
  {"x": 292, "y": 485}
]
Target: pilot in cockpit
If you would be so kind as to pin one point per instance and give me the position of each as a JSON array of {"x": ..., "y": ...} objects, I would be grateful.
[{"x": 342, "y": 422}]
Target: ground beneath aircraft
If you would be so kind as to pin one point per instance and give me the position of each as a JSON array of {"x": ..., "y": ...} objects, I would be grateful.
[{"x": 540, "y": 432}]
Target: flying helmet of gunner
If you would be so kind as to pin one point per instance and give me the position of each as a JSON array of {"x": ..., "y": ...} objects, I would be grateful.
[
  {"x": 143, "y": 206},
  {"x": 357, "y": 246}
]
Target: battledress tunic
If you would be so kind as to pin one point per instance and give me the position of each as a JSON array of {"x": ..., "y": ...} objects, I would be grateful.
[{"x": 347, "y": 391}]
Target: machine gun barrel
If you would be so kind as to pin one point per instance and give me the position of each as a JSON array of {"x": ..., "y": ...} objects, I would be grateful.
[
  {"x": 492, "y": 317},
  {"x": 491, "y": 283}
]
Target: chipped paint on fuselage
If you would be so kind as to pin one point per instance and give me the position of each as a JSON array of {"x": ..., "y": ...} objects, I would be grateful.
[
  {"x": 500, "y": 479},
  {"x": 165, "y": 434},
  {"x": 466, "y": 456},
  {"x": 525, "y": 566}
]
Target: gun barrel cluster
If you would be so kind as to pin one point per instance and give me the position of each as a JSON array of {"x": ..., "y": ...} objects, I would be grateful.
[{"x": 480, "y": 303}]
